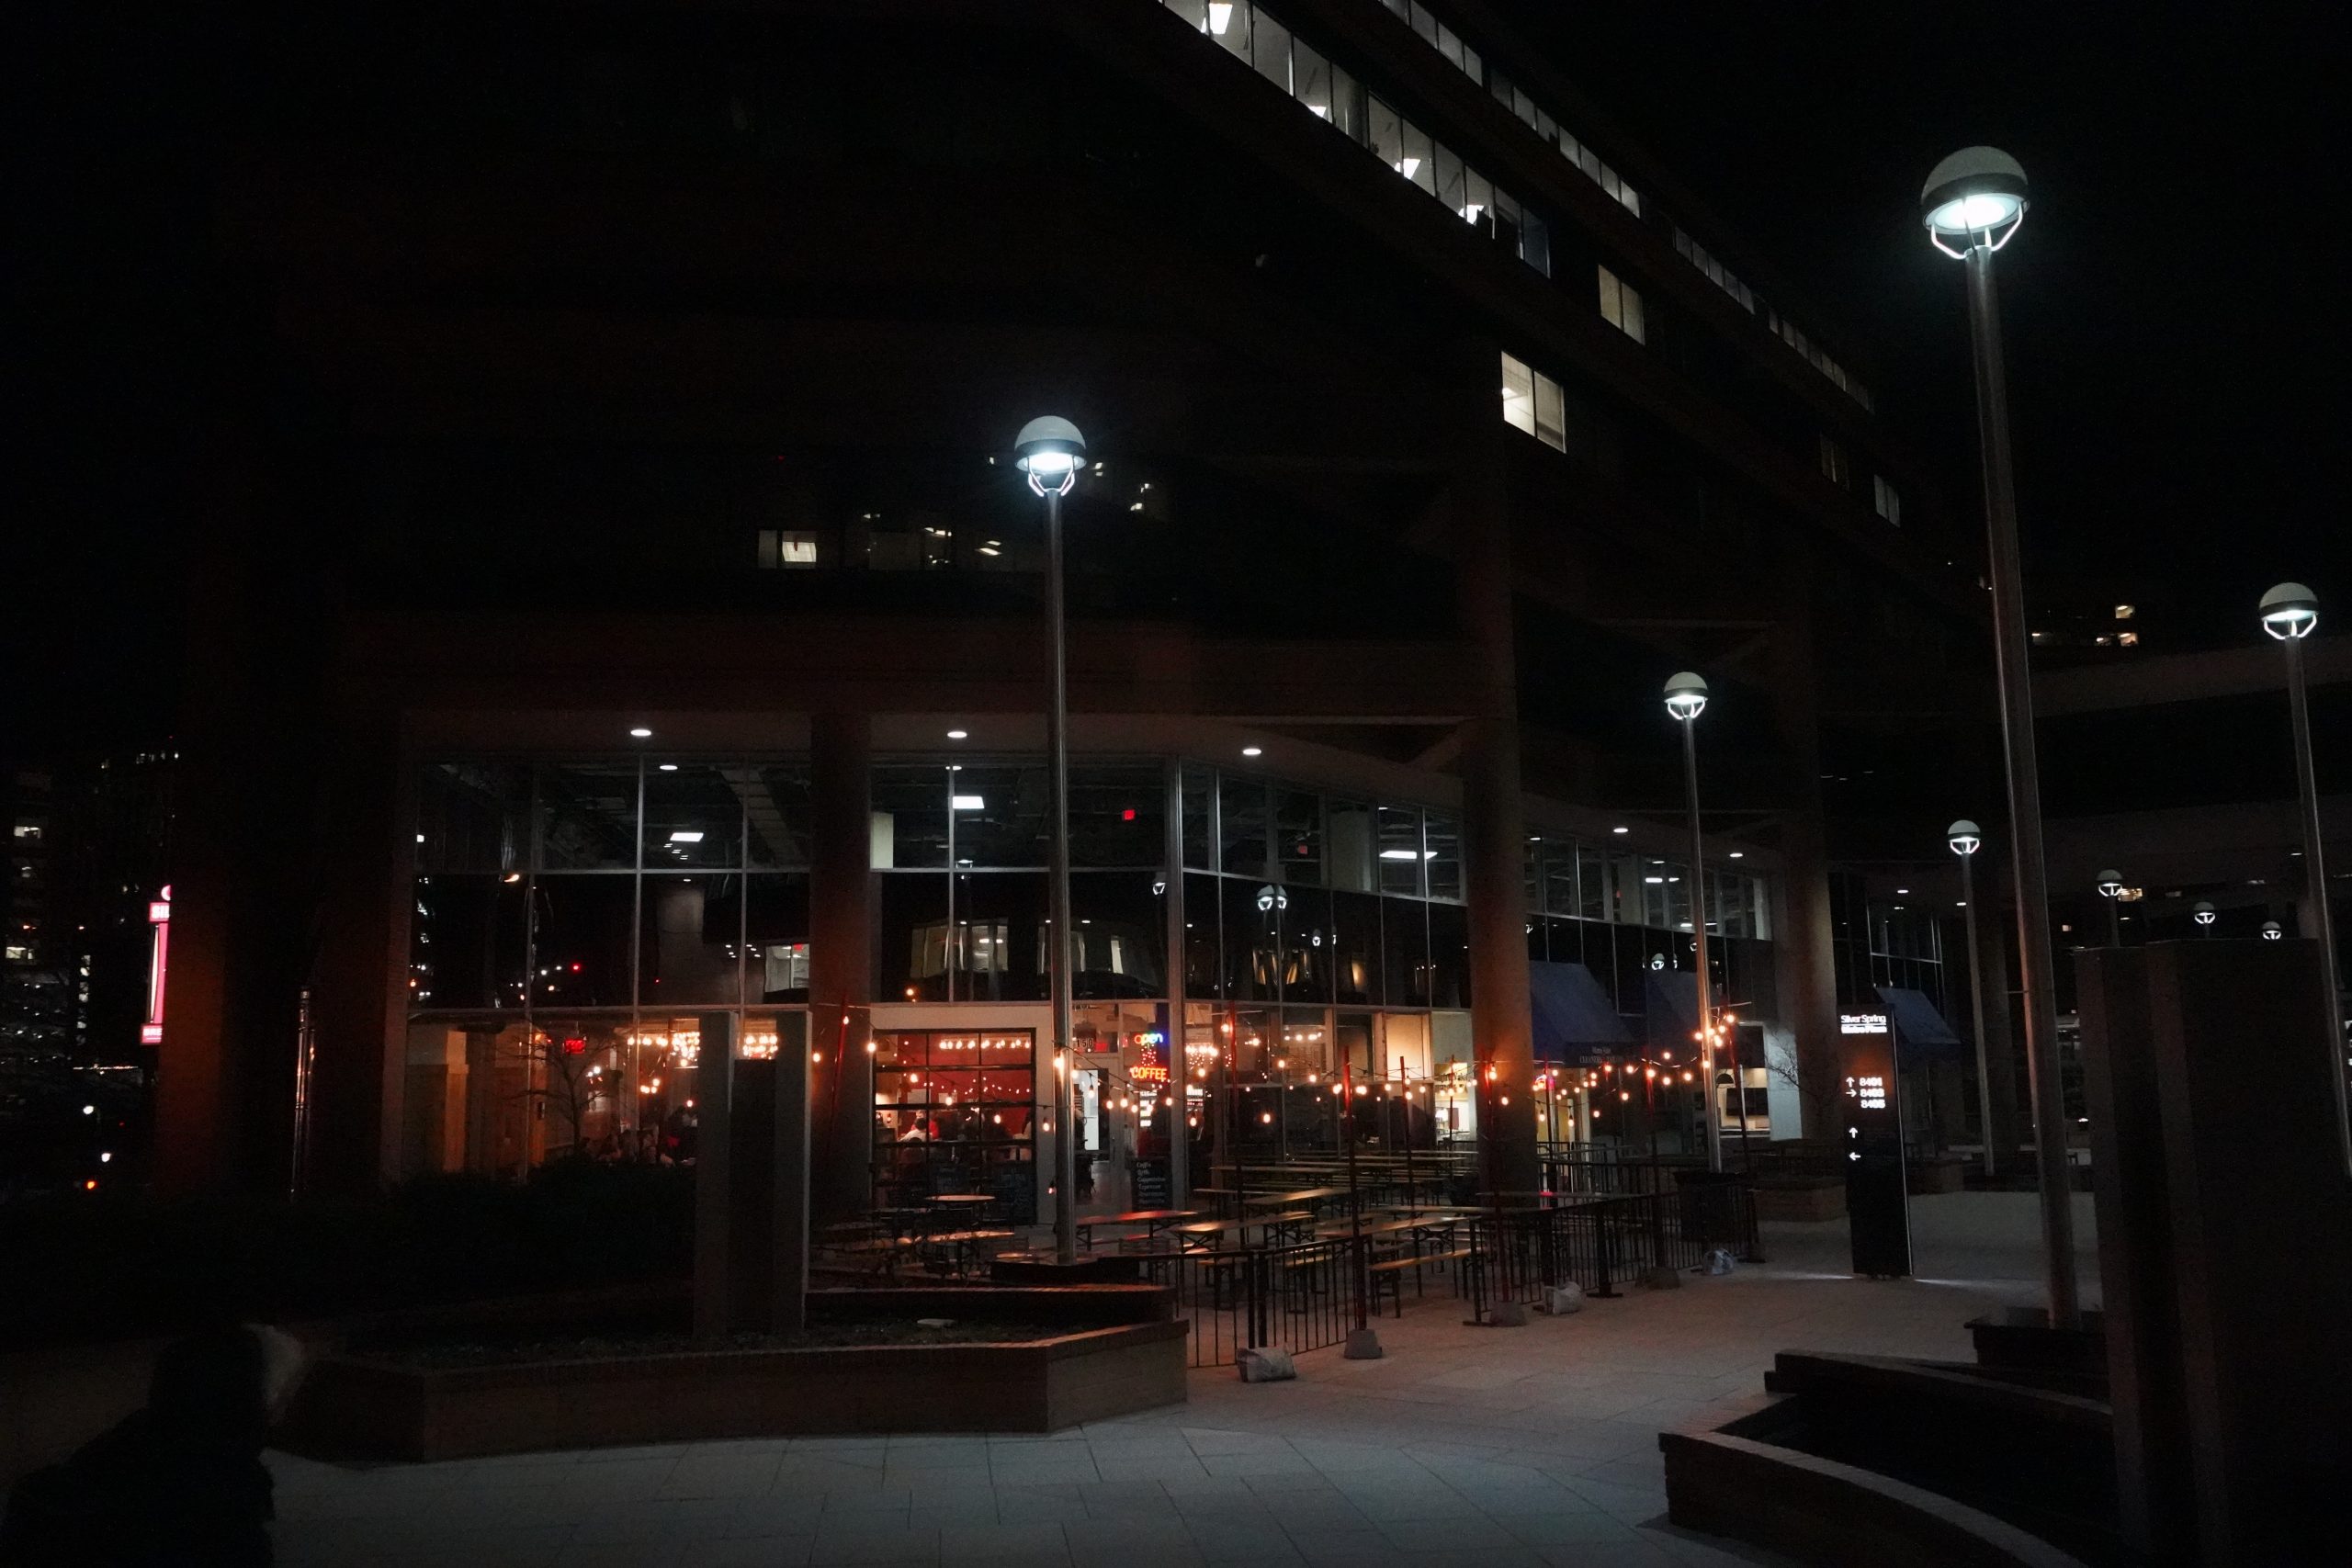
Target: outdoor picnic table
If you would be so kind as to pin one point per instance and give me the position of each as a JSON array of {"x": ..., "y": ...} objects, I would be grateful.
[
  {"x": 1381, "y": 1228},
  {"x": 961, "y": 1198},
  {"x": 1291, "y": 1200}
]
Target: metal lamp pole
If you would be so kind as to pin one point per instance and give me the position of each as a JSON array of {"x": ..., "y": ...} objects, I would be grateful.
[
  {"x": 1686, "y": 698},
  {"x": 2290, "y": 612},
  {"x": 1965, "y": 839},
  {"x": 1973, "y": 202},
  {"x": 2110, "y": 887},
  {"x": 1049, "y": 451}
]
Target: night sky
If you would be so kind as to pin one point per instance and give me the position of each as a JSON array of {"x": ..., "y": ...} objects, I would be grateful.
[{"x": 2173, "y": 303}]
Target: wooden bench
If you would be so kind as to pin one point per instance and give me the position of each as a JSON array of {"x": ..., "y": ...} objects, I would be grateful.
[{"x": 1390, "y": 1271}]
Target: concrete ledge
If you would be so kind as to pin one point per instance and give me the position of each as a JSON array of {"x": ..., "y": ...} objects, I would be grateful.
[
  {"x": 1822, "y": 1512},
  {"x": 353, "y": 1406}
]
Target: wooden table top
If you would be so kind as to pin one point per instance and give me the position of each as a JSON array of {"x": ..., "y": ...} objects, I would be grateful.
[
  {"x": 1304, "y": 1195},
  {"x": 1150, "y": 1216},
  {"x": 961, "y": 1198}
]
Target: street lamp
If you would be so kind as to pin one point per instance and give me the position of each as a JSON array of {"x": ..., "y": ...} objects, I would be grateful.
[
  {"x": 1686, "y": 699},
  {"x": 2270, "y": 931},
  {"x": 1048, "y": 450},
  {"x": 2291, "y": 613},
  {"x": 1973, "y": 203},
  {"x": 2204, "y": 915},
  {"x": 1965, "y": 839},
  {"x": 2110, "y": 887}
]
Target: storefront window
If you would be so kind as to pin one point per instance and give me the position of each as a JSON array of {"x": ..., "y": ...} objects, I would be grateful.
[
  {"x": 1404, "y": 952},
  {"x": 1355, "y": 948},
  {"x": 1000, "y": 936},
  {"x": 1354, "y": 854},
  {"x": 1306, "y": 945},
  {"x": 1198, "y": 791},
  {"x": 1400, "y": 850},
  {"x": 1241, "y": 824},
  {"x": 691, "y": 932},
  {"x": 1252, "y": 958},
  {"x": 775, "y": 934},
  {"x": 1449, "y": 955},
  {"x": 1122, "y": 944},
  {"x": 1298, "y": 835},
  {"x": 776, "y": 814},
  {"x": 909, "y": 821},
  {"x": 953, "y": 1113},
  {"x": 910, "y": 961}
]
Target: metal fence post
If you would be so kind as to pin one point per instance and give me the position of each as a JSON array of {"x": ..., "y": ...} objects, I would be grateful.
[{"x": 1601, "y": 1246}]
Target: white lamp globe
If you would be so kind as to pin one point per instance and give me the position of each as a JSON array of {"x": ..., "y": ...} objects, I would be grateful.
[
  {"x": 2110, "y": 884},
  {"x": 2204, "y": 914},
  {"x": 1686, "y": 695},
  {"x": 2270, "y": 931},
  {"x": 1965, "y": 837},
  {"x": 1048, "y": 450},
  {"x": 1973, "y": 198},
  {"x": 2290, "y": 610}
]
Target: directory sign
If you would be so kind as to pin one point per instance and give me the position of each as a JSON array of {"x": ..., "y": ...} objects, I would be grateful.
[{"x": 1876, "y": 1208}]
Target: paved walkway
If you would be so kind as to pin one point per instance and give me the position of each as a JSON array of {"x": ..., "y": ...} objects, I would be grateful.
[{"x": 1485, "y": 1448}]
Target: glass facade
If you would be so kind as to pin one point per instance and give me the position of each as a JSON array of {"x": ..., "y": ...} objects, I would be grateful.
[
  {"x": 574, "y": 920},
  {"x": 570, "y": 923}
]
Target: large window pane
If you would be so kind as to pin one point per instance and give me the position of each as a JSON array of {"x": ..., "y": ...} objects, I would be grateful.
[
  {"x": 1404, "y": 952},
  {"x": 1198, "y": 789},
  {"x": 1251, "y": 958},
  {"x": 690, "y": 934},
  {"x": 588, "y": 815},
  {"x": 1442, "y": 852},
  {"x": 776, "y": 956},
  {"x": 777, "y": 813},
  {"x": 1004, "y": 815},
  {"x": 1122, "y": 939},
  {"x": 473, "y": 816},
  {"x": 1559, "y": 878},
  {"x": 909, "y": 816},
  {"x": 1000, "y": 928},
  {"x": 668, "y": 1052},
  {"x": 1306, "y": 945},
  {"x": 1518, "y": 395},
  {"x": 1592, "y": 885},
  {"x": 1202, "y": 970},
  {"x": 1355, "y": 948},
  {"x": 1298, "y": 835},
  {"x": 911, "y": 958},
  {"x": 1310, "y": 80},
  {"x": 1118, "y": 815},
  {"x": 581, "y": 941},
  {"x": 1449, "y": 955},
  {"x": 465, "y": 937},
  {"x": 1400, "y": 850},
  {"x": 692, "y": 817},
  {"x": 1354, "y": 856},
  {"x": 1241, "y": 809},
  {"x": 575, "y": 1076}
]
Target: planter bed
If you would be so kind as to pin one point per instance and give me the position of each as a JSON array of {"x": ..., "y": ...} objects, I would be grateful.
[{"x": 1016, "y": 1361}]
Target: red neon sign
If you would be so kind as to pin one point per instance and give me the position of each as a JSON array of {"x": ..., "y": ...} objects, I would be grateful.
[{"x": 159, "y": 916}]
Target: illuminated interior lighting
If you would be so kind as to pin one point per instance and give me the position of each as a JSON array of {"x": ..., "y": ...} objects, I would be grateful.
[
  {"x": 1220, "y": 15},
  {"x": 694, "y": 837}
]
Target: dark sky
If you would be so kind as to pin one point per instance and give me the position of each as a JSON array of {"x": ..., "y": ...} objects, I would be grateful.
[{"x": 2172, "y": 305}]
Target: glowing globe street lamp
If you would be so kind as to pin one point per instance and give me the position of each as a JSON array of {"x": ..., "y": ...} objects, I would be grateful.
[
  {"x": 2270, "y": 931},
  {"x": 2110, "y": 887},
  {"x": 1973, "y": 204},
  {"x": 1965, "y": 838},
  {"x": 1686, "y": 699},
  {"x": 2291, "y": 613},
  {"x": 2204, "y": 915},
  {"x": 1048, "y": 450}
]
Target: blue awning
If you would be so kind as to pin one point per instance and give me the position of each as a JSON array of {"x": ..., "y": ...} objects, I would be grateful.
[
  {"x": 1919, "y": 1029},
  {"x": 1575, "y": 1022}
]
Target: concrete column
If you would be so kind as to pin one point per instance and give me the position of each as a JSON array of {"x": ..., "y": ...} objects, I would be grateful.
[
  {"x": 359, "y": 973},
  {"x": 840, "y": 963},
  {"x": 1804, "y": 957},
  {"x": 1494, "y": 832}
]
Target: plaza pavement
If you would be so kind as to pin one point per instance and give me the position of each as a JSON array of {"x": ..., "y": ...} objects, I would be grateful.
[{"x": 1482, "y": 1448}]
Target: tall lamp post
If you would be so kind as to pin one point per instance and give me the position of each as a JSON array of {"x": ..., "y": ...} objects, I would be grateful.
[
  {"x": 1686, "y": 699},
  {"x": 2110, "y": 887},
  {"x": 1048, "y": 450},
  {"x": 2291, "y": 613},
  {"x": 1972, "y": 204},
  {"x": 1965, "y": 839}
]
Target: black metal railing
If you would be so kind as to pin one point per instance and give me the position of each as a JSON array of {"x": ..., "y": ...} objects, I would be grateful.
[{"x": 1307, "y": 1296}]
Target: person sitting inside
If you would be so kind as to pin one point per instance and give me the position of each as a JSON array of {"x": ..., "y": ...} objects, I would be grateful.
[{"x": 180, "y": 1482}]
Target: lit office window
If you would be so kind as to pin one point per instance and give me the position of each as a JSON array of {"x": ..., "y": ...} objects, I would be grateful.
[
  {"x": 1833, "y": 464},
  {"x": 1885, "y": 500},
  {"x": 1532, "y": 402},
  {"x": 1620, "y": 305},
  {"x": 1518, "y": 395},
  {"x": 786, "y": 547}
]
